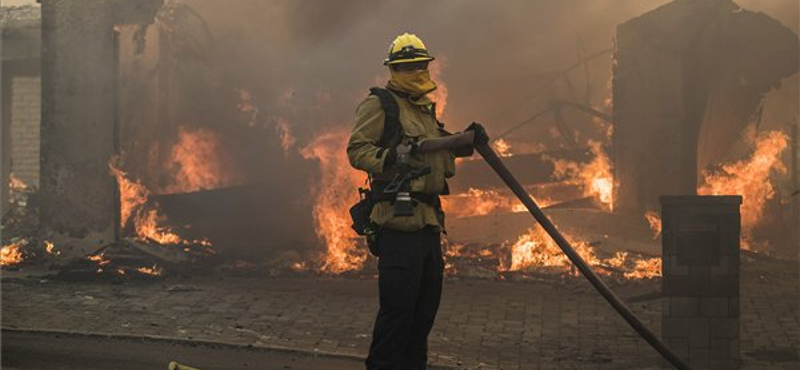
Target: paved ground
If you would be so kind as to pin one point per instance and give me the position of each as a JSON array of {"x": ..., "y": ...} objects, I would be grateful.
[
  {"x": 46, "y": 351},
  {"x": 482, "y": 324}
]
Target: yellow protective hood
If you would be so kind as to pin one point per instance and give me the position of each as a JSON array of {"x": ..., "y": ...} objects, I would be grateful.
[{"x": 414, "y": 83}]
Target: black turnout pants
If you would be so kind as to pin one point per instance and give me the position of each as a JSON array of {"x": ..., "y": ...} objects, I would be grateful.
[{"x": 410, "y": 270}]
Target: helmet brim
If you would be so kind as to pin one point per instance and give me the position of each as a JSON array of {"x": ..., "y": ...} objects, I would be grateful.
[{"x": 387, "y": 62}]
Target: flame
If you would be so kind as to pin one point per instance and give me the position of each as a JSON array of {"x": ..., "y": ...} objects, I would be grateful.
[
  {"x": 477, "y": 202},
  {"x": 132, "y": 194},
  {"x": 10, "y": 254},
  {"x": 440, "y": 94},
  {"x": 146, "y": 222},
  {"x": 596, "y": 177},
  {"x": 247, "y": 106},
  {"x": 16, "y": 184},
  {"x": 334, "y": 194},
  {"x": 645, "y": 269},
  {"x": 148, "y": 228},
  {"x": 502, "y": 147},
  {"x": 618, "y": 261},
  {"x": 153, "y": 271},
  {"x": 655, "y": 222},
  {"x": 285, "y": 133},
  {"x": 195, "y": 162},
  {"x": 100, "y": 259},
  {"x": 51, "y": 248},
  {"x": 750, "y": 178},
  {"x": 536, "y": 249}
]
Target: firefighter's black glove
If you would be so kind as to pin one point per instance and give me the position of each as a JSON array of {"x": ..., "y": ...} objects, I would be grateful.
[
  {"x": 393, "y": 153},
  {"x": 480, "y": 138},
  {"x": 408, "y": 148}
]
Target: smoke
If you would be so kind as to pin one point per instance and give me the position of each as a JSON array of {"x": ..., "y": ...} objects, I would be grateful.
[{"x": 500, "y": 55}]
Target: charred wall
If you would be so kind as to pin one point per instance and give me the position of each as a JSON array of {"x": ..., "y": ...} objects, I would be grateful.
[
  {"x": 78, "y": 196},
  {"x": 688, "y": 79},
  {"x": 20, "y": 46}
]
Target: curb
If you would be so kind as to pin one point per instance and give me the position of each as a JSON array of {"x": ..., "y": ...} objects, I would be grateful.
[{"x": 203, "y": 342}]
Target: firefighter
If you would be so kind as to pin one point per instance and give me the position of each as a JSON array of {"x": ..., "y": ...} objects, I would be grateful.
[{"x": 389, "y": 124}]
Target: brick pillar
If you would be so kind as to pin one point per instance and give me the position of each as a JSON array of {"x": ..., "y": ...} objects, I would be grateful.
[
  {"x": 700, "y": 285},
  {"x": 25, "y": 123}
]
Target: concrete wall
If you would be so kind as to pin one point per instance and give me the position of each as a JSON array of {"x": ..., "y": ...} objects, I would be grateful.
[
  {"x": 79, "y": 200},
  {"x": 25, "y": 122}
]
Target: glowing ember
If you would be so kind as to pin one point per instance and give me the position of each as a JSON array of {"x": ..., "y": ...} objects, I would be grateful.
[
  {"x": 100, "y": 259},
  {"x": 10, "y": 254},
  {"x": 596, "y": 177},
  {"x": 440, "y": 94},
  {"x": 299, "y": 266},
  {"x": 502, "y": 148},
  {"x": 195, "y": 162},
  {"x": 645, "y": 269},
  {"x": 750, "y": 178},
  {"x": 334, "y": 193},
  {"x": 153, "y": 271},
  {"x": 285, "y": 133},
  {"x": 655, "y": 223},
  {"x": 51, "y": 248}
]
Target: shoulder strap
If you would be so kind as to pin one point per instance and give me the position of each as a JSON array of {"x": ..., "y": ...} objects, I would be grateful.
[{"x": 392, "y": 129}]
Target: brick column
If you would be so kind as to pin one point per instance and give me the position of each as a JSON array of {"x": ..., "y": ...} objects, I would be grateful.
[
  {"x": 700, "y": 286},
  {"x": 25, "y": 122}
]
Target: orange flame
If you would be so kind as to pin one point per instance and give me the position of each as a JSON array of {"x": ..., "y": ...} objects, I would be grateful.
[
  {"x": 536, "y": 249},
  {"x": 10, "y": 254},
  {"x": 153, "y": 271},
  {"x": 334, "y": 194},
  {"x": 750, "y": 178},
  {"x": 195, "y": 162},
  {"x": 440, "y": 94},
  {"x": 502, "y": 147},
  {"x": 596, "y": 177},
  {"x": 132, "y": 194},
  {"x": 655, "y": 222},
  {"x": 16, "y": 184},
  {"x": 477, "y": 202},
  {"x": 51, "y": 248},
  {"x": 133, "y": 198},
  {"x": 645, "y": 269},
  {"x": 100, "y": 259},
  {"x": 148, "y": 228}
]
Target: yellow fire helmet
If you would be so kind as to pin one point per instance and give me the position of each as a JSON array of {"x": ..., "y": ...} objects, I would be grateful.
[{"x": 407, "y": 48}]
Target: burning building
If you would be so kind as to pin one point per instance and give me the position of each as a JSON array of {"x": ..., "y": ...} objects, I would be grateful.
[
  {"x": 150, "y": 138},
  {"x": 199, "y": 131}
]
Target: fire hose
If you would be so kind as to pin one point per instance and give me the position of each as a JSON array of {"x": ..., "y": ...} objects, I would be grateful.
[{"x": 497, "y": 165}]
